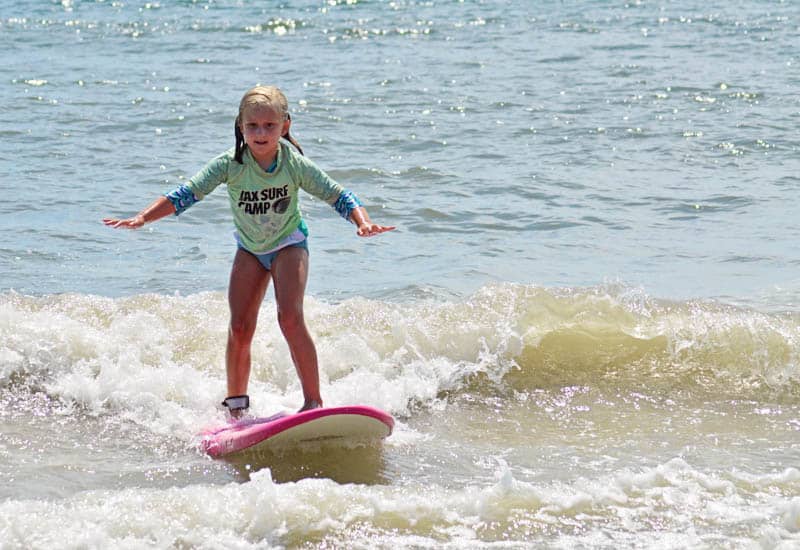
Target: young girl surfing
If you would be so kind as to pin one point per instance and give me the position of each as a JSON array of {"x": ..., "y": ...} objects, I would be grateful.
[{"x": 263, "y": 176}]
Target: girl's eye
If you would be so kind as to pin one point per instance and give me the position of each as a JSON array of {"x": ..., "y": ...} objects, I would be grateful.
[{"x": 254, "y": 125}]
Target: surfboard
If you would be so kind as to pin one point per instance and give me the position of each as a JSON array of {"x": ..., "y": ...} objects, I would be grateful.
[{"x": 350, "y": 424}]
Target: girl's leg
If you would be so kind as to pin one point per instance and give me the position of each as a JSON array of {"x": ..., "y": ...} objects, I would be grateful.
[
  {"x": 248, "y": 284},
  {"x": 289, "y": 275}
]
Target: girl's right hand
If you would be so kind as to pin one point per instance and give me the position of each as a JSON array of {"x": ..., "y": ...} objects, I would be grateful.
[
  {"x": 135, "y": 222},
  {"x": 158, "y": 209}
]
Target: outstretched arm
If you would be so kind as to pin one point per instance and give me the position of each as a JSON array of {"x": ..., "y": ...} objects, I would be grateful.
[
  {"x": 160, "y": 208},
  {"x": 366, "y": 228}
]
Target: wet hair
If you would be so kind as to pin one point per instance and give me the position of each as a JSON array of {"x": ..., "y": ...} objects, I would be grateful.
[{"x": 268, "y": 96}]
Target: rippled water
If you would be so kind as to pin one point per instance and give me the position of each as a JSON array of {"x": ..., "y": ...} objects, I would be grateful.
[
  {"x": 586, "y": 324},
  {"x": 652, "y": 145}
]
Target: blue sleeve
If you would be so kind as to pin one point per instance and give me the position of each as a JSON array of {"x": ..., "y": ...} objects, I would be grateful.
[
  {"x": 181, "y": 198},
  {"x": 346, "y": 203}
]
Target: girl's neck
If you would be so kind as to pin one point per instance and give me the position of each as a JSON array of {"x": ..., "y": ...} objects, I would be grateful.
[{"x": 266, "y": 161}]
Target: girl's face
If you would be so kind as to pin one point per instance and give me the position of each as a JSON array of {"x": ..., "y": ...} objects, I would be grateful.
[{"x": 262, "y": 127}]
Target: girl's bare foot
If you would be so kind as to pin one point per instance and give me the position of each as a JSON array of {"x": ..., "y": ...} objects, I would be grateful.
[{"x": 311, "y": 404}]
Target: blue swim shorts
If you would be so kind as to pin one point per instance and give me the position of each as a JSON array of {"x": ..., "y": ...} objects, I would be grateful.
[{"x": 267, "y": 259}]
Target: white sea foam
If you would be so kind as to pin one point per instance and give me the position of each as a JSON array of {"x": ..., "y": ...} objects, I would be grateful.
[
  {"x": 156, "y": 363},
  {"x": 674, "y": 496},
  {"x": 159, "y": 361}
]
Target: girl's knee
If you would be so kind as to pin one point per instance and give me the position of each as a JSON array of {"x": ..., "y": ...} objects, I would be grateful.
[
  {"x": 291, "y": 320},
  {"x": 242, "y": 329}
]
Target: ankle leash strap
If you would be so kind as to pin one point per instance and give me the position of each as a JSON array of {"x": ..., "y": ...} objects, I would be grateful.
[{"x": 237, "y": 402}]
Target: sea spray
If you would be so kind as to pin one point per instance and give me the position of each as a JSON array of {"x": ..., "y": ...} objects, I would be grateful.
[
  {"x": 163, "y": 356},
  {"x": 263, "y": 514}
]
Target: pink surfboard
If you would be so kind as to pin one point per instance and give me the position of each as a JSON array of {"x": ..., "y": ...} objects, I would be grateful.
[{"x": 355, "y": 423}]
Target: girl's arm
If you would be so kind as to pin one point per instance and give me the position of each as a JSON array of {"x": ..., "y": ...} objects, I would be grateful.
[
  {"x": 366, "y": 228},
  {"x": 160, "y": 208},
  {"x": 316, "y": 182}
]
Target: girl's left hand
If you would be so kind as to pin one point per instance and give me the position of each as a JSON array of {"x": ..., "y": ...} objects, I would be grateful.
[{"x": 369, "y": 229}]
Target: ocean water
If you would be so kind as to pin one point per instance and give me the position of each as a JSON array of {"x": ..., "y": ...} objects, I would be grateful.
[{"x": 587, "y": 324}]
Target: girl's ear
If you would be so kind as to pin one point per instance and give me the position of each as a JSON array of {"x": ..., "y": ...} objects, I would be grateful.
[
  {"x": 287, "y": 124},
  {"x": 288, "y": 137}
]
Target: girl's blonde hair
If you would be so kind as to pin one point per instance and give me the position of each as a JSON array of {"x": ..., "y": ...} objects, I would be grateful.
[{"x": 268, "y": 96}]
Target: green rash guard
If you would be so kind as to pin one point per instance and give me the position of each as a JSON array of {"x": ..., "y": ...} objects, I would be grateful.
[{"x": 265, "y": 205}]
